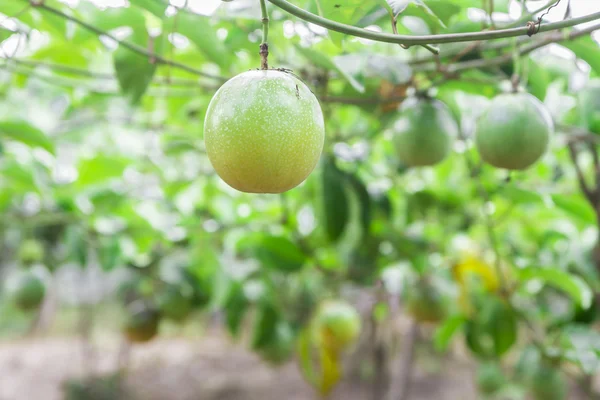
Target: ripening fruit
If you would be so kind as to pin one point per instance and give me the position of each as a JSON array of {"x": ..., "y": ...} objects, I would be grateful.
[
  {"x": 424, "y": 131},
  {"x": 174, "y": 305},
  {"x": 337, "y": 324},
  {"x": 514, "y": 132},
  {"x": 30, "y": 251},
  {"x": 548, "y": 383},
  {"x": 264, "y": 132},
  {"x": 141, "y": 325},
  {"x": 28, "y": 292}
]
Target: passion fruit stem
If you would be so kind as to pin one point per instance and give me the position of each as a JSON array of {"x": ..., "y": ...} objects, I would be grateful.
[
  {"x": 264, "y": 47},
  {"x": 425, "y": 39}
]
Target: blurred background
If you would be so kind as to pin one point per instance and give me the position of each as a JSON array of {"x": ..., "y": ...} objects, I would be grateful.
[{"x": 130, "y": 270}]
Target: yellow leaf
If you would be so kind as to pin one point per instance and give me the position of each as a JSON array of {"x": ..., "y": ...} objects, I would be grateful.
[
  {"x": 330, "y": 370},
  {"x": 471, "y": 265}
]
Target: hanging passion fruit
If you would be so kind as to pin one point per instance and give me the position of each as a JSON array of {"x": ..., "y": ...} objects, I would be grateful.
[
  {"x": 264, "y": 131},
  {"x": 514, "y": 132},
  {"x": 423, "y": 132}
]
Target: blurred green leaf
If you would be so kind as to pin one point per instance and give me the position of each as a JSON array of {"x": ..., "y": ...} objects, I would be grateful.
[
  {"x": 336, "y": 205},
  {"x": 576, "y": 206},
  {"x": 573, "y": 285},
  {"x": 25, "y": 133},
  {"x": 492, "y": 331},
  {"x": 109, "y": 252},
  {"x": 445, "y": 332},
  {"x": 281, "y": 253},
  {"x": 135, "y": 71},
  {"x": 235, "y": 308},
  {"x": 93, "y": 171}
]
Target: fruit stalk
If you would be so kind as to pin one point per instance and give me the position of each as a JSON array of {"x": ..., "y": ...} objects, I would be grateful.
[{"x": 264, "y": 47}]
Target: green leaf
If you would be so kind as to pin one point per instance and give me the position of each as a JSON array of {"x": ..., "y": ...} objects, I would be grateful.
[
  {"x": 519, "y": 195},
  {"x": 572, "y": 285},
  {"x": 77, "y": 245},
  {"x": 492, "y": 331},
  {"x": 323, "y": 61},
  {"x": 346, "y": 12},
  {"x": 279, "y": 252},
  {"x": 575, "y": 206},
  {"x": 235, "y": 308},
  {"x": 25, "y": 133},
  {"x": 538, "y": 79},
  {"x": 586, "y": 49},
  {"x": 364, "y": 201},
  {"x": 155, "y": 7},
  {"x": 264, "y": 326},
  {"x": 135, "y": 71},
  {"x": 445, "y": 332},
  {"x": 109, "y": 252},
  {"x": 417, "y": 8},
  {"x": 100, "y": 169},
  {"x": 336, "y": 205},
  {"x": 198, "y": 29}
]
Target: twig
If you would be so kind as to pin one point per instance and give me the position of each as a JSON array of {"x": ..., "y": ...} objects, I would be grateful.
[
  {"x": 400, "y": 389},
  {"x": 264, "y": 46},
  {"x": 424, "y": 39},
  {"x": 589, "y": 194},
  {"x": 130, "y": 46}
]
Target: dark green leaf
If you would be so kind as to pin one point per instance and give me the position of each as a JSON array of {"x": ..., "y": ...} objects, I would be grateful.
[
  {"x": 235, "y": 308},
  {"x": 264, "y": 326},
  {"x": 135, "y": 71},
  {"x": 336, "y": 206},
  {"x": 109, "y": 252},
  {"x": 279, "y": 252}
]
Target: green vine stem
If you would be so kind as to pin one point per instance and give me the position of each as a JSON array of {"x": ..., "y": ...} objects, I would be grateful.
[
  {"x": 425, "y": 39},
  {"x": 264, "y": 47}
]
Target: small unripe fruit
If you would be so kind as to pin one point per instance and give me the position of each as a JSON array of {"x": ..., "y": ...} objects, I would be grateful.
[
  {"x": 337, "y": 324},
  {"x": 264, "y": 131},
  {"x": 30, "y": 251},
  {"x": 29, "y": 291},
  {"x": 514, "y": 132},
  {"x": 141, "y": 325},
  {"x": 424, "y": 131}
]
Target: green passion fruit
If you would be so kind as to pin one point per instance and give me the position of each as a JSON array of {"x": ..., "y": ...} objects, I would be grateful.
[
  {"x": 28, "y": 292},
  {"x": 30, "y": 251},
  {"x": 423, "y": 132},
  {"x": 337, "y": 324},
  {"x": 142, "y": 324},
  {"x": 514, "y": 132},
  {"x": 264, "y": 131}
]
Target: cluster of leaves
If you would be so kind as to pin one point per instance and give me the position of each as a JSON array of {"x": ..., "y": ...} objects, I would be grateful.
[{"x": 102, "y": 162}]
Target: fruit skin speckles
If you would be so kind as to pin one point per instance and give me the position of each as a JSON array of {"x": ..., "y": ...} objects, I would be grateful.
[
  {"x": 264, "y": 132},
  {"x": 514, "y": 132}
]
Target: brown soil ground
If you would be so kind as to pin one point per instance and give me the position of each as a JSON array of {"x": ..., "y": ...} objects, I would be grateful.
[{"x": 212, "y": 368}]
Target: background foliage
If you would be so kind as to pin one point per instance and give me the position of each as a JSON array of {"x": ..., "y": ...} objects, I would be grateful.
[{"x": 102, "y": 163}]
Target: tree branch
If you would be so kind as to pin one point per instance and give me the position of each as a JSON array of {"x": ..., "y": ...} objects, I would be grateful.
[
  {"x": 130, "y": 46},
  {"x": 425, "y": 39},
  {"x": 589, "y": 194}
]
